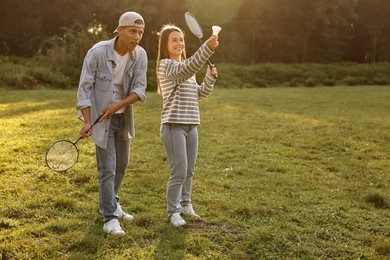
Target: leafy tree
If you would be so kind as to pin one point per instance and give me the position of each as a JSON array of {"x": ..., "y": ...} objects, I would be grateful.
[
  {"x": 65, "y": 52},
  {"x": 305, "y": 30},
  {"x": 21, "y": 22},
  {"x": 371, "y": 38},
  {"x": 253, "y": 30}
]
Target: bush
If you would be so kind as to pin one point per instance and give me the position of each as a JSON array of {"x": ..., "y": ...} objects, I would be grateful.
[
  {"x": 59, "y": 61},
  {"x": 296, "y": 75},
  {"x": 55, "y": 69},
  {"x": 328, "y": 82},
  {"x": 352, "y": 81},
  {"x": 24, "y": 73},
  {"x": 151, "y": 76},
  {"x": 310, "y": 82},
  {"x": 65, "y": 53}
]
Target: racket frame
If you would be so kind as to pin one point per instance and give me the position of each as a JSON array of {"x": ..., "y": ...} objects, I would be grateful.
[
  {"x": 52, "y": 147},
  {"x": 73, "y": 143},
  {"x": 196, "y": 30}
]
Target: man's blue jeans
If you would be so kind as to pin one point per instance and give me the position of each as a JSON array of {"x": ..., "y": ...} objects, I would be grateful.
[
  {"x": 181, "y": 145},
  {"x": 112, "y": 164}
]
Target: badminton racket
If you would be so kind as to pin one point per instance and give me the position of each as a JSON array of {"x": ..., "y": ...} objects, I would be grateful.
[
  {"x": 196, "y": 30},
  {"x": 64, "y": 154}
]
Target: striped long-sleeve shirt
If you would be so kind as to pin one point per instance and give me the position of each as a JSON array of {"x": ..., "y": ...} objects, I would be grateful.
[{"x": 180, "y": 91}]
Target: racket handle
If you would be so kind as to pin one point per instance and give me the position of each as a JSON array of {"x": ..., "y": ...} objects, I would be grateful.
[
  {"x": 211, "y": 65},
  {"x": 94, "y": 123},
  {"x": 208, "y": 61}
]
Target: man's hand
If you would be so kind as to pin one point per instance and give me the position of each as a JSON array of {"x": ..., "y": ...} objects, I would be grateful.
[
  {"x": 84, "y": 131},
  {"x": 109, "y": 110}
]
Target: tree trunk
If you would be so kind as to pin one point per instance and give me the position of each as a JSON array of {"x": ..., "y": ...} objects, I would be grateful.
[
  {"x": 253, "y": 47},
  {"x": 305, "y": 47}
]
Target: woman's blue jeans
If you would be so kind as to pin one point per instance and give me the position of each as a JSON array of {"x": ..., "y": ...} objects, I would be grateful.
[
  {"x": 112, "y": 164},
  {"x": 181, "y": 146}
]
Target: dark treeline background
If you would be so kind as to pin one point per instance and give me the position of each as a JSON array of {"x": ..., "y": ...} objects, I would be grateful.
[{"x": 254, "y": 31}]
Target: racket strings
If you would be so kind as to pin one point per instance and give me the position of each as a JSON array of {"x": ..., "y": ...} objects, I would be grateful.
[
  {"x": 193, "y": 25},
  {"x": 62, "y": 155}
]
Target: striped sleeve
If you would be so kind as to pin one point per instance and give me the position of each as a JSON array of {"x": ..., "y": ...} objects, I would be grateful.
[
  {"x": 206, "y": 87},
  {"x": 180, "y": 91},
  {"x": 177, "y": 71}
]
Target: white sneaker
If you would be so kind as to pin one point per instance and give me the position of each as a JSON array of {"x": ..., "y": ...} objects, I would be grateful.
[
  {"x": 188, "y": 210},
  {"x": 177, "y": 220},
  {"x": 121, "y": 214},
  {"x": 113, "y": 227}
]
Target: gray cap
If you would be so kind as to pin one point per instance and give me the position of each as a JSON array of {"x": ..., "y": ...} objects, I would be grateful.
[{"x": 131, "y": 19}]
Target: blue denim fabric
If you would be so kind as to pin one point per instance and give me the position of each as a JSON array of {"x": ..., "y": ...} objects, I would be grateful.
[
  {"x": 96, "y": 85},
  {"x": 112, "y": 164},
  {"x": 181, "y": 145}
]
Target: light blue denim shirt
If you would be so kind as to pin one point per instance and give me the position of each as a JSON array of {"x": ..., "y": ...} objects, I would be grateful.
[{"x": 96, "y": 87}]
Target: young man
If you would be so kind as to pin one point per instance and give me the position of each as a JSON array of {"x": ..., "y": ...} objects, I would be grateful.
[{"x": 113, "y": 78}]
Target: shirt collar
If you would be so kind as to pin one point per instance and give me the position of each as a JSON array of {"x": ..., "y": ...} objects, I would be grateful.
[{"x": 110, "y": 54}]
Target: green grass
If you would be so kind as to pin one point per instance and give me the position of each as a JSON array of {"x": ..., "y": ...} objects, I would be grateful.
[{"x": 282, "y": 173}]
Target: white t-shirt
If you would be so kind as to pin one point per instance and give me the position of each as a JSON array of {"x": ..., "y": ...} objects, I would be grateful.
[{"x": 119, "y": 93}]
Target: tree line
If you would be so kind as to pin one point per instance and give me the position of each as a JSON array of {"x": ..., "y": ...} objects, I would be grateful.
[{"x": 254, "y": 31}]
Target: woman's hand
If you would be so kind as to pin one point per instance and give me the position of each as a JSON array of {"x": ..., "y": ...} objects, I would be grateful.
[
  {"x": 212, "y": 42},
  {"x": 212, "y": 71}
]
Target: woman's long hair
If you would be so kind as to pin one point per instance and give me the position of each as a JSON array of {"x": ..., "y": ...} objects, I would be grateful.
[{"x": 162, "y": 52}]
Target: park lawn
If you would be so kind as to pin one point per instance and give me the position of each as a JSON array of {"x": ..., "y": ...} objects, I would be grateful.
[{"x": 281, "y": 173}]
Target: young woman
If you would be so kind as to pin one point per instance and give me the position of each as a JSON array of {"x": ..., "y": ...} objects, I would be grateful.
[{"x": 180, "y": 114}]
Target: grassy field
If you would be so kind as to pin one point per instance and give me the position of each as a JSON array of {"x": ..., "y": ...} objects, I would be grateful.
[{"x": 282, "y": 173}]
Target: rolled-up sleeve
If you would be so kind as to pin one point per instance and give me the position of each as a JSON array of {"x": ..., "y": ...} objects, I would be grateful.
[
  {"x": 139, "y": 83},
  {"x": 86, "y": 82}
]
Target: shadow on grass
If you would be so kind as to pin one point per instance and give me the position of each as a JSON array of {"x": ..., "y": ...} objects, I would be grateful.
[
  {"x": 88, "y": 246},
  {"x": 171, "y": 243},
  {"x": 33, "y": 108},
  {"x": 19, "y": 103},
  {"x": 185, "y": 242}
]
